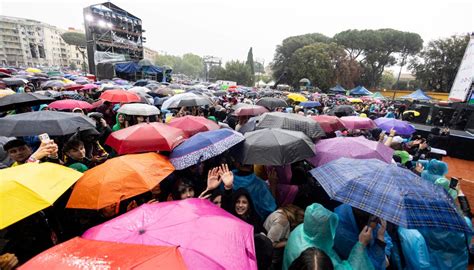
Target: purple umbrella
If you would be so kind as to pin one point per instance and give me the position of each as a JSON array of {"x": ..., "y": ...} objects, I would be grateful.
[
  {"x": 350, "y": 147},
  {"x": 357, "y": 122},
  {"x": 401, "y": 127}
]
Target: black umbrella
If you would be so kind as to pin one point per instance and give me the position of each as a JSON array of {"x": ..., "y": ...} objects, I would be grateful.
[
  {"x": 250, "y": 125},
  {"x": 291, "y": 121},
  {"x": 342, "y": 110},
  {"x": 11, "y": 102},
  {"x": 14, "y": 81},
  {"x": 51, "y": 122},
  {"x": 271, "y": 103},
  {"x": 274, "y": 147}
]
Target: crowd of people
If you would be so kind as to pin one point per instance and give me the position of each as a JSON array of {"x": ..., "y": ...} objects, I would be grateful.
[{"x": 296, "y": 223}]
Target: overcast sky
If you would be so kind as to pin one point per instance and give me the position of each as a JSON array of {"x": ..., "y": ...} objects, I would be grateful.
[{"x": 227, "y": 29}]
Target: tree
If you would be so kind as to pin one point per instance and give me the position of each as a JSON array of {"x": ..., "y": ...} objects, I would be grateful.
[
  {"x": 259, "y": 68},
  {"x": 388, "y": 80},
  {"x": 238, "y": 72},
  {"x": 411, "y": 46},
  {"x": 251, "y": 65},
  {"x": 217, "y": 73},
  {"x": 438, "y": 63},
  {"x": 189, "y": 64},
  {"x": 285, "y": 51},
  {"x": 78, "y": 40}
]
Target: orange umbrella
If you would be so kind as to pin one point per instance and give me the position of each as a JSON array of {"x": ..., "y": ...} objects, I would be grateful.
[
  {"x": 79, "y": 253},
  {"x": 118, "y": 179}
]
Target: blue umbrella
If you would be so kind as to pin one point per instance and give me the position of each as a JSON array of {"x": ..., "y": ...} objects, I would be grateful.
[
  {"x": 390, "y": 192},
  {"x": 204, "y": 146},
  {"x": 310, "y": 104}
]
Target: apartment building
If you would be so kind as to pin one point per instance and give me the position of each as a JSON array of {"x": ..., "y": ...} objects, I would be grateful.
[
  {"x": 30, "y": 43},
  {"x": 149, "y": 54}
]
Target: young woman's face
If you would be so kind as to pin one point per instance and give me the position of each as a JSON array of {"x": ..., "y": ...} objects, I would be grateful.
[
  {"x": 140, "y": 119},
  {"x": 77, "y": 154},
  {"x": 217, "y": 200},
  {"x": 188, "y": 192},
  {"x": 241, "y": 205},
  {"x": 121, "y": 118}
]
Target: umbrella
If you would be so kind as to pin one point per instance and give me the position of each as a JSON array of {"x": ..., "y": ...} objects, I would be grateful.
[
  {"x": 297, "y": 97},
  {"x": 292, "y": 122},
  {"x": 70, "y": 104},
  {"x": 33, "y": 70},
  {"x": 390, "y": 192},
  {"x": 29, "y": 188},
  {"x": 118, "y": 179},
  {"x": 119, "y": 96},
  {"x": 197, "y": 227},
  {"x": 350, "y": 147},
  {"x": 357, "y": 122},
  {"x": 274, "y": 147},
  {"x": 415, "y": 113},
  {"x": 54, "y": 83},
  {"x": 139, "y": 89},
  {"x": 14, "y": 81},
  {"x": 164, "y": 91},
  {"x": 138, "y": 109},
  {"x": 304, "y": 80},
  {"x": 250, "y": 110},
  {"x": 145, "y": 137},
  {"x": 79, "y": 253},
  {"x": 6, "y": 92},
  {"x": 310, "y": 104},
  {"x": 89, "y": 86},
  {"x": 204, "y": 146},
  {"x": 342, "y": 110},
  {"x": 186, "y": 100},
  {"x": 329, "y": 123},
  {"x": 51, "y": 122},
  {"x": 72, "y": 87},
  {"x": 12, "y": 102},
  {"x": 401, "y": 127},
  {"x": 193, "y": 124},
  {"x": 220, "y": 93},
  {"x": 272, "y": 103},
  {"x": 159, "y": 101},
  {"x": 355, "y": 100}
]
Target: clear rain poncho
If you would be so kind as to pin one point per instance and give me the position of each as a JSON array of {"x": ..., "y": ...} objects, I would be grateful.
[{"x": 319, "y": 230}]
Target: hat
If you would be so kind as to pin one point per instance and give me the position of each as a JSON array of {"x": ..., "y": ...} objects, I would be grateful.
[{"x": 78, "y": 167}]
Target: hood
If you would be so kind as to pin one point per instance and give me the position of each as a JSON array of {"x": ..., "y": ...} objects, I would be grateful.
[
  {"x": 437, "y": 167},
  {"x": 320, "y": 226}
]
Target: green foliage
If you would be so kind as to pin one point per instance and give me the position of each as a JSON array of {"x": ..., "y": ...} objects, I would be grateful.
[
  {"x": 250, "y": 61},
  {"x": 189, "y": 64},
  {"x": 259, "y": 68},
  {"x": 388, "y": 80},
  {"x": 234, "y": 71},
  {"x": 439, "y": 61},
  {"x": 75, "y": 38},
  {"x": 216, "y": 73}
]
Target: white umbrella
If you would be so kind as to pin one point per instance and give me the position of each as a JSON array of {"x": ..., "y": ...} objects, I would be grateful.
[
  {"x": 186, "y": 100},
  {"x": 139, "y": 109},
  {"x": 139, "y": 90}
]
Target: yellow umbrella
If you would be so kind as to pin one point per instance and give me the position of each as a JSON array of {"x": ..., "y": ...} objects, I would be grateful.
[
  {"x": 67, "y": 81},
  {"x": 415, "y": 113},
  {"x": 355, "y": 100},
  {"x": 297, "y": 97},
  {"x": 178, "y": 91},
  {"x": 33, "y": 70},
  {"x": 32, "y": 187},
  {"x": 6, "y": 92}
]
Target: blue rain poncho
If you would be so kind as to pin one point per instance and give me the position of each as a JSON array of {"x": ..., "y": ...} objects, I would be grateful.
[
  {"x": 318, "y": 230},
  {"x": 347, "y": 235},
  {"x": 434, "y": 169}
]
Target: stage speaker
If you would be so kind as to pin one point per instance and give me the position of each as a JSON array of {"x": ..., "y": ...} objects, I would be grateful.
[
  {"x": 441, "y": 116},
  {"x": 470, "y": 123}
]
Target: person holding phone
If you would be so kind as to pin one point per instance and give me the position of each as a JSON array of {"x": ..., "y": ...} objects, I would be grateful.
[{"x": 20, "y": 152}]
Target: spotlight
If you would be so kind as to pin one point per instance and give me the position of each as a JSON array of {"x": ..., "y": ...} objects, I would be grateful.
[
  {"x": 109, "y": 25},
  {"x": 101, "y": 23},
  {"x": 89, "y": 18}
]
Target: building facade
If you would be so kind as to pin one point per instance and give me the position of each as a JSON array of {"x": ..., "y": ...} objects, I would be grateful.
[
  {"x": 30, "y": 43},
  {"x": 149, "y": 54}
]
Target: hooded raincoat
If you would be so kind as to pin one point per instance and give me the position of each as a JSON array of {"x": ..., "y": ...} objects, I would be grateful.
[{"x": 434, "y": 169}]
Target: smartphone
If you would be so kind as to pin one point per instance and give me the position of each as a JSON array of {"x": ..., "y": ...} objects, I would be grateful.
[
  {"x": 453, "y": 183},
  {"x": 44, "y": 137},
  {"x": 373, "y": 220}
]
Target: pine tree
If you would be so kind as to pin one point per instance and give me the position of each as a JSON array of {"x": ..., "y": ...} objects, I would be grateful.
[{"x": 250, "y": 62}]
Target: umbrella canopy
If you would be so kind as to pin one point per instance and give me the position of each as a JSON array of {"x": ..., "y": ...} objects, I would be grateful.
[
  {"x": 329, "y": 123},
  {"x": 118, "y": 179},
  {"x": 79, "y": 253},
  {"x": 274, "y": 147},
  {"x": 70, "y": 104},
  {"x": 196, "y": 226},
  {"x": 29, "y": 188},
  {"x": 417, "y": 95},
  {"x": 297, "y": 97},
  {"x": 342, "y": 110},
  {"x": 350, "y": 147},
  {"x": 292, "y": 122},
  {"x": 250, "y": 110},
  {"x": 145, "y": 137},
  {"x": 139, "y": 89},
  {"x": 33, "y": 70},
  {"x": 360, "y": 91},
  {"x": 378, "y": 95},
  {"x": 401, "y": 127},
  {"x": 51, "y": 122},
  {"x": 338, "y": 89},
  {"x": 119, "y": 96},
  {"x": 204, "y": 146},
  {"x": 357, "y": 122},
  {"x": 164, "y": 91},
  {"x": 12, "y": 102},
  {"x": 390, "y": 192},
  {"x": 72, "y": 87},
  {"x": 186, "y": 100},
  {"x": 138, "y": 109},
  {"x": 272, "y": 103},
  {"x": 415, "y": 113},
  {"x": 53, "y": 83},
  {"x": 193, "y": 124},
  {"x": 14, "y": 81},
  {"x": 89, "y": 86},
  {"x": 355, "y": 100},
  {"x": 310, "y": 104},
  {"x": 304, "y": 80},
  {"x": 6, "y": 92}
]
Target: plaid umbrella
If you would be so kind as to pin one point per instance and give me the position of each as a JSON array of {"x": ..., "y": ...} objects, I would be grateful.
[
  {"x": 292, "y": 122},
  {"x": 204, "y": 146},
  {"x": 390, "y": 192}
]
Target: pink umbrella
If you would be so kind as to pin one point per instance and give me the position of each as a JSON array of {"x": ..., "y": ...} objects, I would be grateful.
[
  {"x": 89, "y": 86},
  {"x": 69, "y": 104},
  {"x": 350, "y": 147},
  {"x": 250, "y": 110},
  {"x": 356, "y": 122},
  {"x": 207, "y": 236},
  {"x": 329, "y": 123}
]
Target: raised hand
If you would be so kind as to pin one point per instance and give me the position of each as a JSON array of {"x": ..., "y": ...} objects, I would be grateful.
[
  {"x": 365, "y": 235},
  {"x": 213, "y": 180},
  {"x": 227, "y": 176}
]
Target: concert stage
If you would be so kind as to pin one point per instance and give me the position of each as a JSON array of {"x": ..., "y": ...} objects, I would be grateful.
[{"x": 459, "y": 145}]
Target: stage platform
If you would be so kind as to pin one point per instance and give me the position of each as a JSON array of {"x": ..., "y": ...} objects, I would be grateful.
[{"x": 459, "y": 145}]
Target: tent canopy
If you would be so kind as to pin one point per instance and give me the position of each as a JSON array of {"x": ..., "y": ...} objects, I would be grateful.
[
  {"x": 418, "y": 95},
  {"x": 378, "y": 95},
  {"x": 338, "y": 89},
  {"x": 360, "y": 91}
]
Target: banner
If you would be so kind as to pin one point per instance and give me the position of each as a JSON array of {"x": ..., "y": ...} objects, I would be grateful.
[{"x": 465, "y": 75}]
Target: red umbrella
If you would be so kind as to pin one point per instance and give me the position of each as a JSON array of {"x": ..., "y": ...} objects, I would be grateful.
[
  {"x": 120, "y": 96},
  {"x": 250, "y": 110},
  {"x": 79, "y": 253},
  {"x": 70, "y": 104},
  {"x": 145, "y": 137},
  {"x": 193, "y": 124},
  {"x": 329, "y": 123},
  {"x": 73, "y": 87}
]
